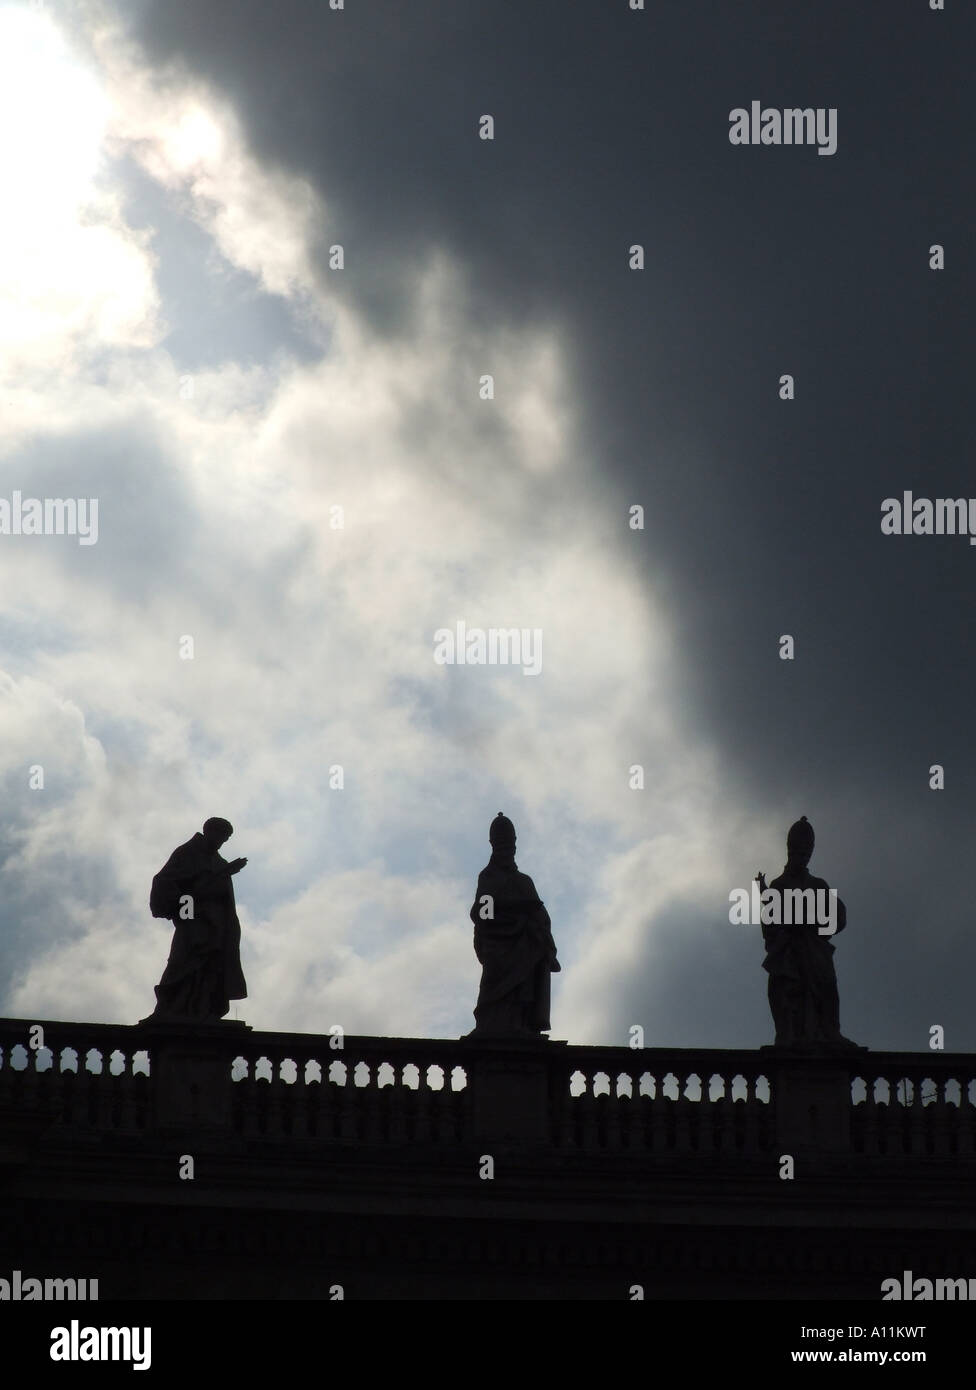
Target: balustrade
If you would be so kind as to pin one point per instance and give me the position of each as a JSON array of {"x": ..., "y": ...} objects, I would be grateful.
[{"x": 658, "y": 1102}]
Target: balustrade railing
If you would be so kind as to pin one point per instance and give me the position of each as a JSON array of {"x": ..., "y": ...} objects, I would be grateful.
[
  {"x": 914, "y": 1106},
  {"x": 89, "y": 1077},
  {"x": 660, "y": 1101},
  {"x": 94, "y": 1079},
  {"x": 372, "y": 1091}
]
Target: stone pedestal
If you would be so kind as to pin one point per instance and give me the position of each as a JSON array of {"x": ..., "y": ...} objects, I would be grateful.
[
  {"x": 191, "y": 1069},
  {"x": 813, "y": 1099},
  {"x": 510, "y": 1081}
]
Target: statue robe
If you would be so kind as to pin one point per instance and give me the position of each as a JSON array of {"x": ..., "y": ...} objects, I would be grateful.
[
  {"x": 516, "y": 952},
  {"x": 203, "y": 973},
  {"x": 802, "y": 981}
]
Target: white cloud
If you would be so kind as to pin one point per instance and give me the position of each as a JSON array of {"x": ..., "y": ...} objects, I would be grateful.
[{"x": 72, "y": 275}]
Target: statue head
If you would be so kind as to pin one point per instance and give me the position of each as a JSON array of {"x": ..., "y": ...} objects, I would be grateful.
[
  {"x": 800, "y": 842},
  {"x": 501, "y": 834},
  {"x": 216, "y": 830}
]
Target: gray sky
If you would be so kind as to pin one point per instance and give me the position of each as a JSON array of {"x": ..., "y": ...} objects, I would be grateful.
[{"x": 175, "y": 343}]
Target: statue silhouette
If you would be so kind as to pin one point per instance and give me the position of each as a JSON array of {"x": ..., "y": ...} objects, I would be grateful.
[
  {"x": 802, "y": 989},
  {"x": 513, "y": 942},
  {"x": 194, "y": 890}
]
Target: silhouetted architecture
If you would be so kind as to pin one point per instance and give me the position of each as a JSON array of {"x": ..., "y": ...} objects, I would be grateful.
[
  {"x": 194, "y": 890},
  {"x": 802, "y": 987},
  {"x": 364, "y": 1168},
  {"x": 513, "y": 942}
]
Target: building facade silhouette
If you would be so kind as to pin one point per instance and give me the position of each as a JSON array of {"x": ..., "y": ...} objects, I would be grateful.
[{"x": 189, "y": 1163}]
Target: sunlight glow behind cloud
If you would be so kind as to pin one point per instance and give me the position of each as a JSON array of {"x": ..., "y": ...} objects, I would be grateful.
[{"x": 313, "y": 646}]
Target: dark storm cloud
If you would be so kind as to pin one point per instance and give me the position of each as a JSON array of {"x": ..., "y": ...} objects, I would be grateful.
[{"x": 762, "y": 517}]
